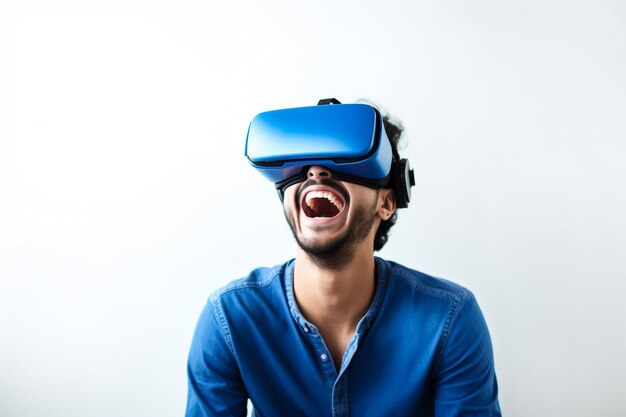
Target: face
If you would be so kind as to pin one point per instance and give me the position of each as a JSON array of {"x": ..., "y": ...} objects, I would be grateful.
[{"x": 330, "y": 218}]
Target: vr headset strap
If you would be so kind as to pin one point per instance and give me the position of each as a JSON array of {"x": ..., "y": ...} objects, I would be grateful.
[{"x": 326, "y": 101}]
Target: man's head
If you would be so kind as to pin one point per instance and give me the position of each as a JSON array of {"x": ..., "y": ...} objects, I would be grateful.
[{"x": 333, "y": 166}]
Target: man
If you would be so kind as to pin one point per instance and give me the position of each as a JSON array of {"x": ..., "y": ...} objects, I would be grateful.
[{"x": 337, "y": 331}]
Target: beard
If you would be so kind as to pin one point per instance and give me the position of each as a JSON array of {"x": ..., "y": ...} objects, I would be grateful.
[{"x": 336, "y": 252}]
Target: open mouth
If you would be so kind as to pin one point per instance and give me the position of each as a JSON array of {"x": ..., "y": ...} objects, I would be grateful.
[{"x": 322, "y": 204}]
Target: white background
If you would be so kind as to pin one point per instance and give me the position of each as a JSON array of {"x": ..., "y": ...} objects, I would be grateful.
[{"x": 125, "y": 198}]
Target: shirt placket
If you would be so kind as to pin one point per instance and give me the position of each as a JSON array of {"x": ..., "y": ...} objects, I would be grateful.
[
  {"x": 322, "y": 353},
  {"x": 336, "y": 382}
]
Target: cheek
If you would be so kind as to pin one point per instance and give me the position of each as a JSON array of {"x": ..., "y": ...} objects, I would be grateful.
[
  {"x": 364, "y": 196},
  {"x": 289, "y": 198}
]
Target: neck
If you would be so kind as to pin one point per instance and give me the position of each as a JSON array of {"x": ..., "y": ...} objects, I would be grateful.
[{"x": 335, "y": 299}]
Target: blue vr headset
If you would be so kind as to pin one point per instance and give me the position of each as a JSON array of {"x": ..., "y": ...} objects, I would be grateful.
[{"x": 348, "y": 139}]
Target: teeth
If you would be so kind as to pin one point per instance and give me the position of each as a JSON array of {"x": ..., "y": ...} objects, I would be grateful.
[{"x": 324, "y": 194}]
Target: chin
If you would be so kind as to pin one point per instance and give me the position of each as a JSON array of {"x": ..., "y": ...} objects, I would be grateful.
[{"x": 316, "y": 246}]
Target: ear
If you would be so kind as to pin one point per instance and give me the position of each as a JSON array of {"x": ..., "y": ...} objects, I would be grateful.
[{"x": 386, "y": 203}]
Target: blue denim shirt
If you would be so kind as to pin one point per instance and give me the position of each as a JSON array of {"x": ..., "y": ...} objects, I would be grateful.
[{"x": 422, "y": 349}]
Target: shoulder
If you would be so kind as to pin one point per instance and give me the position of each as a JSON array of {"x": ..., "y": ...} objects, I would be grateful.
[
  {"x": 257, "y": 278},
  {"x": 434, "y": 299},
  {"x": 261, "y": 292},
  {"x": 241, "y": 300},
  {"x": 450, "y": 309},
  {"x": 423, "y": 284}
]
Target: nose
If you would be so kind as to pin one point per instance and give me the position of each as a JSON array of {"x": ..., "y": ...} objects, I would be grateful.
[{"x": 317, "y": 172}]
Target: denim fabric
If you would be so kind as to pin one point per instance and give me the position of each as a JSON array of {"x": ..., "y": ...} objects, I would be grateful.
[{"x": 422, "y": 349}]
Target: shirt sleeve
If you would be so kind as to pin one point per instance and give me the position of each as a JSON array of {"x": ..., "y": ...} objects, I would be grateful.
[
  {"x": 215, "y": 387},
  {"x": 465, "y": 381}
]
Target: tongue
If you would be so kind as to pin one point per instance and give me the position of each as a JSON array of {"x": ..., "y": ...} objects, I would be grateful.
[{"x": 320, "y": 207}]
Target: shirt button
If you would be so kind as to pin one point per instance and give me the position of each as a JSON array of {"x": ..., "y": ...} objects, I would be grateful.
[
  {"x": 324, "y": 357},
  {"x": 306, "y": 329}
]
